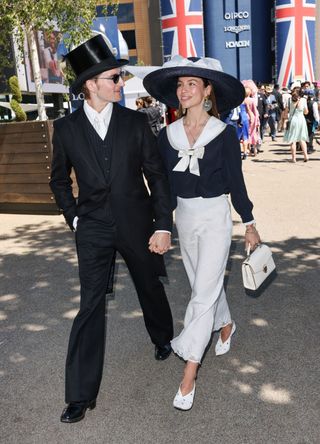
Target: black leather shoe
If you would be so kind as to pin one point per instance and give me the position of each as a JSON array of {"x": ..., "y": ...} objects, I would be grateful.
[
  {"x": 162, "y": 352},
  {"x": 75, "y": 411}
]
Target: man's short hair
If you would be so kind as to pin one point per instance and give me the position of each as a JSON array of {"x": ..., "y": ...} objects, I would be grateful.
[
  {"x": 148, "y": 100},
  {"x": 85, "y": 91}
]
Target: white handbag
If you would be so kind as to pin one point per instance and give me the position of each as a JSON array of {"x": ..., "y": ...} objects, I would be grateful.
[{"x": 257, "y": 267}]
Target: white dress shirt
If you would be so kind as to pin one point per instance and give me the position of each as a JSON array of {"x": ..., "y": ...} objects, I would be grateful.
[{"x": 99, "y": 121}]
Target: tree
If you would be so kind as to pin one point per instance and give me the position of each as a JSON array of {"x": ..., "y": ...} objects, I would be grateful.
[
  {"x": 16, "y": 99},
  {"x": 22, "y": 18}
]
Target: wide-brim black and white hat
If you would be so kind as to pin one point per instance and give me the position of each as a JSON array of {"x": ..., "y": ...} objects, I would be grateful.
[
  {"x": 90, "y": 59},
  {"x": 162, "y": 83}
]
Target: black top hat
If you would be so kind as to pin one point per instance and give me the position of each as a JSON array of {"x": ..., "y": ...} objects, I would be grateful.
[
  {"x": 162, "y": 83},
  {"x": 90, "y": 59}
]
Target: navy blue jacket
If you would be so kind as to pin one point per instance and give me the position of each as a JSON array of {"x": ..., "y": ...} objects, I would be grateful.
[{"x": 220, "y": 172}]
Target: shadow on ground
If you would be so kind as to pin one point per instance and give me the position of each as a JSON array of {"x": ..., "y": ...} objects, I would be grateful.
[{"x": 267, "y": 380}]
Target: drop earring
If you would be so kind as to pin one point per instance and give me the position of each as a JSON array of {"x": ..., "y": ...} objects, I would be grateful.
[{"x": 207, "y": 104}]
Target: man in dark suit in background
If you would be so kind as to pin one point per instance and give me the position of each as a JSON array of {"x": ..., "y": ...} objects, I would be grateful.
[
  {"x": 277, "y": 94},
  {"x": 262, "y": 107},
  {"x": 154, "y": 115},
  {"x": 111, "y": 150}
]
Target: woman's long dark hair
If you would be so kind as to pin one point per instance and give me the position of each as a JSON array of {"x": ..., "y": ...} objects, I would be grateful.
[
  {"x": 296, "y": 94},
  {"x": 214, "y": 110}
]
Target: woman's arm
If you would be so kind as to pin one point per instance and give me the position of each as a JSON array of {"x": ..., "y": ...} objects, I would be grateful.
[
  {"x": 315, "y": 111},
  {"x": 305, "y": 106},
  {"x": 237, "y": 187},
  {"x": 234, "y": 176}
]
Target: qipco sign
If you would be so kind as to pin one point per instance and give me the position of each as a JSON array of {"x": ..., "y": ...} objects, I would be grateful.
[{"x": 236, "y": 15}]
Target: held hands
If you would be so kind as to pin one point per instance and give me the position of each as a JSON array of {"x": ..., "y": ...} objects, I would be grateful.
[
  {"x": 252, "y": 237},
  {"x": 160, "y": 242}
]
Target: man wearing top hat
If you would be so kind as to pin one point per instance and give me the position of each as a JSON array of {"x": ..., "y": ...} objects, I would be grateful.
[{"x": 111, "y": 150}]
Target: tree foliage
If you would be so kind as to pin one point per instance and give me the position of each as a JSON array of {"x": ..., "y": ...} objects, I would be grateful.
[
  {"x": 20, "y": 18},
  {"x": 16, "y": 99}
]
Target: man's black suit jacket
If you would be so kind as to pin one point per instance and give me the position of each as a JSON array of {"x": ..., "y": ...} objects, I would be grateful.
[{"x": 134, "y": 154}]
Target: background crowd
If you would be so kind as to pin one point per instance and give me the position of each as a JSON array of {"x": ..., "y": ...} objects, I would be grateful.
[
  {"x": 266, "y": 110},
  {"x": 153, "y": 111}
]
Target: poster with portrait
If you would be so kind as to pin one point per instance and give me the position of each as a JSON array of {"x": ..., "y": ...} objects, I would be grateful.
[
  {"x": 51, "y": 49},
  {"x": 50, "y": 58}
]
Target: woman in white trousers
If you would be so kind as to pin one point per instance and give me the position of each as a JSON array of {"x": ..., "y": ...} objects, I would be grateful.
[
  {"x": 203, "y": 225},
  {"x": 202, "y": 157}
]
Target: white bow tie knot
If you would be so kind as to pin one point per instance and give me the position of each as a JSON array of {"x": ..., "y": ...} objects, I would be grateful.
[
  {"x": 97, "y": 122},
  {"x": 100, "y": 126},
  {"x": 189, "y": 158}
]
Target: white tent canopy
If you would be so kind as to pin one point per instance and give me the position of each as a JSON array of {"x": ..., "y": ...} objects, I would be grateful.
[
  {"x": 141, "y": 71},
  {"x": 133, "y": 89}
]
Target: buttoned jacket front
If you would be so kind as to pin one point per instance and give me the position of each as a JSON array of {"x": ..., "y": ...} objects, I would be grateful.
[{"x": 134, "y": 156}]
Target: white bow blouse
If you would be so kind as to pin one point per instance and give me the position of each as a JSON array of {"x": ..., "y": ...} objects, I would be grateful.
[{"x": 189, "y": 155}]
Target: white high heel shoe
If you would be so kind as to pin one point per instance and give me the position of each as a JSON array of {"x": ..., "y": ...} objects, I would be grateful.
[
  {"x": 223, "y": 347},
  {"x": 184, "y": 402}
]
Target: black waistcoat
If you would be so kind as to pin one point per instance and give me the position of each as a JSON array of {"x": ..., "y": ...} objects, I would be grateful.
[{"x": 103, "y": 152}]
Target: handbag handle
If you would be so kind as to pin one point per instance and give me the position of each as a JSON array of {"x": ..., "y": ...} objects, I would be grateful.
[{"x": 249, "y": 248}]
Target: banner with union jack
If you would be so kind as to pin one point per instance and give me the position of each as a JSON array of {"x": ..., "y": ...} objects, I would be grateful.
[
  {"x": 182, "y": 28},
  {"x": 295, "y": 30}
]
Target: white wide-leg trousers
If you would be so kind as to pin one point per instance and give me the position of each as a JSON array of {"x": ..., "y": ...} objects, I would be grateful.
[{"x": 205, "y": 229}]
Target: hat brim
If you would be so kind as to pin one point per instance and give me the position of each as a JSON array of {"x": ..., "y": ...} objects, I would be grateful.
[
  {"x": 104, "y": 65},
  {"x": 162, "y": 85}
]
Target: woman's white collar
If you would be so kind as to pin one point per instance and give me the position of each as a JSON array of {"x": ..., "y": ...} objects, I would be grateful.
[{"x": 179, "y": 141}]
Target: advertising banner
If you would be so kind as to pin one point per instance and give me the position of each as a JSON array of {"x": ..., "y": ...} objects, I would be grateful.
[
  {"x": 240, "y": 33},
  {"x": 228, "y": 35}
]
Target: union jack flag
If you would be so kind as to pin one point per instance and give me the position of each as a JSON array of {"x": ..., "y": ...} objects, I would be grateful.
[
  {"x": 295, "y": 29},
  {"x": 182, "y": 28}
]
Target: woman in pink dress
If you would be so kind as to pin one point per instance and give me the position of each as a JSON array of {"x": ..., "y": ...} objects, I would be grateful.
[{"x": 254, "y": 121}]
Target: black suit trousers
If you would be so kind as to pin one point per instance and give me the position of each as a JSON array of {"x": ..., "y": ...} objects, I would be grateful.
[{"x": 97, "y": 242}]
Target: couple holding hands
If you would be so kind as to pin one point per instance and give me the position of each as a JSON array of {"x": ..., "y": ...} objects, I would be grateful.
[{"x": 191, "y": 167}]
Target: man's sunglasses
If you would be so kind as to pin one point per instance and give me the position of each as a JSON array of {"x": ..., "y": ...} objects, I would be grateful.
[{"x": 115, "y": 78}]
